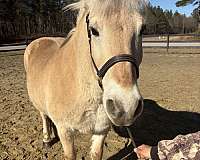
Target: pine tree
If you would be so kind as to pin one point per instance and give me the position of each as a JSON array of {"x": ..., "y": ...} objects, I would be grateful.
[
  {"x": 186, "y": 2},
  {"x": 195, "y": 3}
]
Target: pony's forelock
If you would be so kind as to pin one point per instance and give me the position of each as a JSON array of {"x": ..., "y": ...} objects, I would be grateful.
[{"x": 108, "y": 7}]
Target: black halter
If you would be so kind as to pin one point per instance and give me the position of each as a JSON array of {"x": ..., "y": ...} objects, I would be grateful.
[{"x": 112, "y": 61}]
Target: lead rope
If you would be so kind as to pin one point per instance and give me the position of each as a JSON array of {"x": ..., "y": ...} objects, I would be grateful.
[
  {"x": 133, "y": 143},
  {"x": 131, "y": 136}
]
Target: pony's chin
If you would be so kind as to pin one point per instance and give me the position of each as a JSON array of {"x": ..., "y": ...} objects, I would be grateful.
[{"x": 124, "y": 122}]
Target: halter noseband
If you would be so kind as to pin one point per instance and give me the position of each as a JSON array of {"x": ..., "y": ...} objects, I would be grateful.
[{"x": 112, "y": 61}]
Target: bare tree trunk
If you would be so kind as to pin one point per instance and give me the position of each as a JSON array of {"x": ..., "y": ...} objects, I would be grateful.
[
  {"x": 39, "y": 24},
  {"x": 27, "y": 26}
]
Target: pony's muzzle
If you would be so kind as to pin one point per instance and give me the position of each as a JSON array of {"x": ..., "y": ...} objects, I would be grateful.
[{"x": 119, "y": 116}]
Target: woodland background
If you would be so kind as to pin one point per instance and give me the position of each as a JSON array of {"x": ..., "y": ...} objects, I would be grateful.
[{"x": 30, "y": 19}]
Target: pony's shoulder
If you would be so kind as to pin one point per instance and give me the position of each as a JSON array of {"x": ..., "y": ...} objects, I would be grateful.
[
  {"x": 46, "y": 42},
  {"x": 42, "y": 49}
]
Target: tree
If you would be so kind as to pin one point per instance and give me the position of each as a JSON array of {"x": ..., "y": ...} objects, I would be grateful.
[
  {"x": 20, "y": 19},
  {"x": 186, "y": 2},
  {"x": 181, "y": 3},
  {"x": 196, "y": 15}
]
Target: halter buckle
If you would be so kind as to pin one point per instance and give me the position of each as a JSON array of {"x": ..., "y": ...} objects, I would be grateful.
[{"x": 100, "y": 82}]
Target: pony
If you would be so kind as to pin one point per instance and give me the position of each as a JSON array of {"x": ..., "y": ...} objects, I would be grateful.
[{"x": 88, "y": 82}]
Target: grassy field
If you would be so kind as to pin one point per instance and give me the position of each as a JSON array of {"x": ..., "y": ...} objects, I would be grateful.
[{"x": 169, "y": 83}]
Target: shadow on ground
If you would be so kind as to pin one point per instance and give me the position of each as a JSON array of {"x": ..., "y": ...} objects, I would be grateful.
[{"x": 155, "y": 124}]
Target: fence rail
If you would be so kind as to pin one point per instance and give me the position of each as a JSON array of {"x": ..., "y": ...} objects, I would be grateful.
[
  {"x": 188, "y": 34},
  {"x": 167, "y": 41},
  {"x": 14, "y": 44}
]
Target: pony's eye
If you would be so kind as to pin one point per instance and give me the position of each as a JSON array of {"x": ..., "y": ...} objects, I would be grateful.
[{"x": 94, "y": 31}]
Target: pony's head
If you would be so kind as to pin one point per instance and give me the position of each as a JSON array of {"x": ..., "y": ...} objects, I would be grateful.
[{"x": 113, "y": 28}]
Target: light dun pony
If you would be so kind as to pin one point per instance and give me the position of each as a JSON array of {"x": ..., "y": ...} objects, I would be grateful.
[{"x": 62, "y": 80}]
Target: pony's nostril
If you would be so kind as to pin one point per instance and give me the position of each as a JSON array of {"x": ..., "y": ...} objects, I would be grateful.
[
  {"x": 113, "y": 109},
  {"x": 119, "y": 114},
  {"x": 110, "y": 106}
]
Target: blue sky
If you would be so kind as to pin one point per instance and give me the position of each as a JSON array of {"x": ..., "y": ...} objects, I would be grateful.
[{"x": 170, "y": 4}]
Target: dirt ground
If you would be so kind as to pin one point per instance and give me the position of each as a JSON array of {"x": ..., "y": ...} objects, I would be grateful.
[{"x": 169, "y": 83}]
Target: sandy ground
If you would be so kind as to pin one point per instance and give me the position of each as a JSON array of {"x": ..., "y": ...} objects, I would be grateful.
[{"x": 169, "y": 83}]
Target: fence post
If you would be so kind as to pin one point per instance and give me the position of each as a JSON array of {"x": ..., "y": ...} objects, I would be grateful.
[
  {"x": 167, "y": 42},
  {"x": 26, "y": 40}
]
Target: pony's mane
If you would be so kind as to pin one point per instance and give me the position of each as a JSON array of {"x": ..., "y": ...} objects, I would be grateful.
[
  {"x": 69, "y": 35},
  {"x": 107, "y": 8}
]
